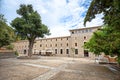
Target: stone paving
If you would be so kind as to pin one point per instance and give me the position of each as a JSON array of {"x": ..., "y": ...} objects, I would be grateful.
[
  {"x": 51, "y": 73},
  {"x": 56, "y": 68}
]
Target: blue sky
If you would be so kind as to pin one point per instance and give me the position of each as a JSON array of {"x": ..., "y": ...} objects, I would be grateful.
[{"x": 59, "y": 15}]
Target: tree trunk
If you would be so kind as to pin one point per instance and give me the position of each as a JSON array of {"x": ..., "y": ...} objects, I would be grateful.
[{"x": 30, "y": 48}]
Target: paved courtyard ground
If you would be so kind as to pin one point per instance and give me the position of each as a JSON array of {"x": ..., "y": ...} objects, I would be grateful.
[{"x": 55, "y": 68}]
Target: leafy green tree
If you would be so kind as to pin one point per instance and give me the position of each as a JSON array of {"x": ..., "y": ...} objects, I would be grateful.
[
  {"x": 10, "y": 47},
  {"x": 92, "y": 45},
  {"x": 29, "y": 25},
  {"x": 110, "y": 10},
  {"x": 2, "y": 19},
  {"x": 106, "y": 40},
  {"x": 6, "y": 32},
  {"x": 111, "y": 17}
]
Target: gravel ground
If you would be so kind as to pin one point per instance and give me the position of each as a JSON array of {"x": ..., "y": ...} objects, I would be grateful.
[
  {"x": 86, "y": 72},
  {"x": 55, "y": 68},
  {"x": 17, "y": 71}
]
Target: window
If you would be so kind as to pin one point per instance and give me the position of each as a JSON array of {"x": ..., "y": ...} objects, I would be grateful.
[
  {"x": 67, "y": 38},
  {"x": 75, "y": 44},
  {"x": 84, "y": 42},
  {"x": 72, "y": 32},
  {"x": 56, "y": 39},
  {"x": 50, "y": 45},
  {"x": 25, "y": 51},
  {"x": 46, "y": 45},
  {"x": 67, "y": 44},
  {"x": 84, "y": 37},
  {"x": 61, "y": 51},
  {"x": 39, "y": 52},
  {"x": 40, "y": 45},
  {"x": 67, "y": 51},
  {"x": 56, "y": 45},
  {"x": 55, "y": 51},
  {"x": 61, "y": 38},
  {"x": 76, "y": 51}
]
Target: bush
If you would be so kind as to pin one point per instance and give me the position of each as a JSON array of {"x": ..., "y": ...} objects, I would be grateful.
[
  {"x": 10, "y": 47},
  {"x": 16, "y": 53}
]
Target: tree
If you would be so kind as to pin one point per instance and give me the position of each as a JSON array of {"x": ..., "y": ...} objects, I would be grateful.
[
  {"x": 110, "y": 10},
  {"x": 29, "y": 25},
  {"x": 105, "y": 40},
  {"x": 111, "y": 17},
  {"x": 2, "y": 19},
  {"x": 6, "y": 32}
]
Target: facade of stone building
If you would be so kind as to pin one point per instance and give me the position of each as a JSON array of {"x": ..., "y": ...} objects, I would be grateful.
[{"x": 71, "y": 46}]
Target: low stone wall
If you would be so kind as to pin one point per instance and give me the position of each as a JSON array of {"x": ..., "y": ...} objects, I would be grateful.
[
  {"x": 7, "y": 54},
  {"x": 4, "y": 51},
  {"x": 111, "y": 59}
]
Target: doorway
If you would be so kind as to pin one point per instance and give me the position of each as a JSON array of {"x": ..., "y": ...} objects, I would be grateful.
[
  {"x": 25, "y": 51},
  {"x": 86, "y": 53}
]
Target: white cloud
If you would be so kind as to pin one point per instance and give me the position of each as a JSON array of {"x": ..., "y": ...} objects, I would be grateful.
[
  {"x": 96, "y": 22},
  {"x": 58, "y": 15},
  {"x": 59, "y": 31}
]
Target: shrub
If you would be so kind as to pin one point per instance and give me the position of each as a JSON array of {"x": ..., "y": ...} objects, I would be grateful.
[
  {"x": 16, "y": 53},
  {"x": 10, "y": 47}
]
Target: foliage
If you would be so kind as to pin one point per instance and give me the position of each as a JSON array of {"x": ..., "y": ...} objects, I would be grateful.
[
  {"x": 2, "y": 19},
  {"x": 110, "y": 10},
  {"x": 73, "y": 49},
  {"x": 29, "y": 25},
  {"x": 10, "y": 47},
  {"x": 111, "y": 17},
  {"x": 6, "y": 32},
  {"x": 16, "y": 53},
  {"x": 105, "y": 40}
]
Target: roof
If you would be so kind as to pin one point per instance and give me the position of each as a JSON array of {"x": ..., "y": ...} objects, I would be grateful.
[
  {"x": 43, "y": 39},
  {"x": 85, "y": 28},
  {"x": 53, "y": 38}
]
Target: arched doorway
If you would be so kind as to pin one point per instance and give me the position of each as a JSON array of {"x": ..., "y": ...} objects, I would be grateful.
[
  {"x": 86, "y": 53},
  {"x": 25, "y": 51}
]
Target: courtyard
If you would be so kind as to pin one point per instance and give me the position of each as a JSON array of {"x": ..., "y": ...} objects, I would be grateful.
[{"x": 56, "y": 68}]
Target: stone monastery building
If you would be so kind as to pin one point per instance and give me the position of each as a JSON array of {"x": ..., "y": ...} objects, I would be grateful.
[{"x": 71, "y": 46}]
